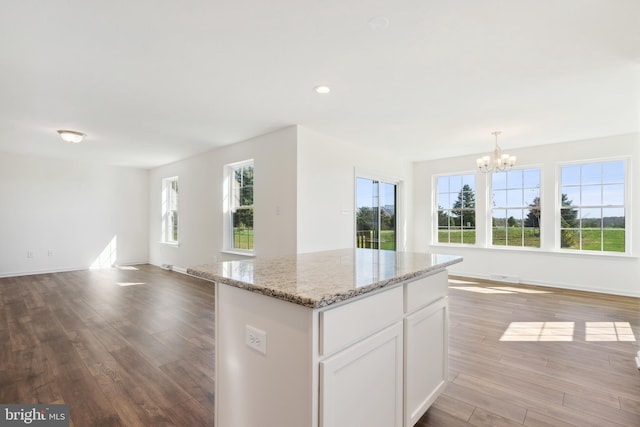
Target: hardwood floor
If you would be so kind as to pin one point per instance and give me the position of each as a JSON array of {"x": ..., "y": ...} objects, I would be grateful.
[
  {"x": 121, "y": 347},
  {"x": 535, "y": 356},
  {"x": 136, "y": 348}
]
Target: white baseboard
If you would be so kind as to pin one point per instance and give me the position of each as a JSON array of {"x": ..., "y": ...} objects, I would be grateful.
[
  {"x": 58, "y": 270},
  {"x": 177, "y": 269},
  {"x": 180, "y": 270},
  {"x": 44, "y": 271}
]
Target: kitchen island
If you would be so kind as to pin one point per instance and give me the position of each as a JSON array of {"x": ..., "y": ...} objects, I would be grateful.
[{"x": 337, "y": 338}]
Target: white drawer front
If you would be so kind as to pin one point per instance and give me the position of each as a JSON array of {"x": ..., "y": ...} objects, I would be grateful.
[
  {"x": 422, "y": 292},
  {"x": 351, "y": 322}
]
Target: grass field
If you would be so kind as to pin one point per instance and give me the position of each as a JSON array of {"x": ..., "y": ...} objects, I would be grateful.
[
  {"x": 457, "y": 236},
  {"x": 243, "y": 238},
  {"x": 608, "y": 239},
  {"x": 516, "y": 236},
  {"x": 367, "y": 240}
]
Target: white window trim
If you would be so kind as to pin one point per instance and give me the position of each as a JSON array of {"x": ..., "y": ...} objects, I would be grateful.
[
  {"x": 227, "y": 221},
  {"x": 489, "y": 213},
  {"x": 166, "y": 192},
  {"x": 627, "y": 208},
  {"x": 401, "y": 241},
  {"x": 482, "y": 215},
  {"x": 550, "y": 183}
]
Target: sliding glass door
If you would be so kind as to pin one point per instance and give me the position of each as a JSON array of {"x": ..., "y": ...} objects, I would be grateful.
[{"x": 375, "y": 214}]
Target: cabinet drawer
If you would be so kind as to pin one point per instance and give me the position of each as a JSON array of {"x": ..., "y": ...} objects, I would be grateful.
[
  {"x": 348, "y": 323},
  {"x": 426, "y": 290}
]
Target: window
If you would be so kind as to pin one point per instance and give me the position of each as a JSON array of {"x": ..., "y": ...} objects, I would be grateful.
[
  {"x": 515, "y": 214},
  {"x": 170, "y": 210},
  {"x": 592, "y": 206},
  {"x": 241, "y": 205},
  {"x": 375, "y": 214},
  {"x": 456, "y": 201}
]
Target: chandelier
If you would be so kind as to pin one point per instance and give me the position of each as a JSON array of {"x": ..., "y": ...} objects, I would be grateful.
[{"x": 498, "y": 162}]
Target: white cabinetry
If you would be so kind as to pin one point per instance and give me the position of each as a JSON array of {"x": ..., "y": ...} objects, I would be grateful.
[
  {"x": 376, "y": 360},
  {"x": 426, "y": 359},
  {"x": 426, "y": 344},
  {"x": 362, "y": 385}
]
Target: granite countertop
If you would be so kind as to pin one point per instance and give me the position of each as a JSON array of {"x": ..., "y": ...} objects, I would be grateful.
[{"x": 322, "y": 278}]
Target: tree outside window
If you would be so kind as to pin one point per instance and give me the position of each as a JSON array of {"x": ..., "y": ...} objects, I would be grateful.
[
  {"x": 516, "y": 208},
  {"x": 456, "y": 203},
  {"x": 592, "y": 207}
]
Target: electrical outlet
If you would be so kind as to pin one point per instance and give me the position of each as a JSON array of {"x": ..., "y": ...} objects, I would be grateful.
[
  {"x": 255, "y": 339},
  {"x": 29, "y": 254}
]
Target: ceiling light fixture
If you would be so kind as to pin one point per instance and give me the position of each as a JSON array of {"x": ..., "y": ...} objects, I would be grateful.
[
  {"x": 497, "y": 162},
  {"x": 379, "y": 23},
  {"x": 322, "y": 89},
  {"x": 71, "y": 136}
]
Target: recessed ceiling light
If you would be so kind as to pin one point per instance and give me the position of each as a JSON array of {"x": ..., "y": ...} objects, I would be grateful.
[
  {"x": 322, "y": 89},
  {"x": 379, "y": 23},
  {"x": 71, "y": 136}
]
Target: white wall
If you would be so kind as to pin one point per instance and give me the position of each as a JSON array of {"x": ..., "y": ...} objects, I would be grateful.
[
  {"x": 326, "y": 190},
  {"x": 200, "y": 223},
  {"x": 612, "y": 274},
  {"x": 66, "y": 213}
]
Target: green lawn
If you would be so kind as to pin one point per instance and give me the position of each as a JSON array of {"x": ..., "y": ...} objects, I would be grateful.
[
  {"x": 516, "y": 236},
  {"x": 607, "y": 239},
  {"x": 457, "y": 236},
  {"x": 367, "y": 240},
  {"x": 611, "y": 239},
  {"x": 388, "y": 240},
  {"x": 243, "y": 238}
]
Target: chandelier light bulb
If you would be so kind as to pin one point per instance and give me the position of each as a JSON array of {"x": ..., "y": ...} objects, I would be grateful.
[{"x": 498, "y": 162}]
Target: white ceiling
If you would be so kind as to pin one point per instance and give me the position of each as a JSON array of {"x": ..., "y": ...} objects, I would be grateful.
[{"x": 154, "y": 81}]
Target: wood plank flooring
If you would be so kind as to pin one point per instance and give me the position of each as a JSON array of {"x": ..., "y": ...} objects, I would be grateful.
[
  {"x": 135, "y": 347},
  {"x": 536, "y": 356},
  {"x": 122, "y": 347}
]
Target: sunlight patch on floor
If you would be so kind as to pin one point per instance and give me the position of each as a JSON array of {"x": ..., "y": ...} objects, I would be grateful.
[
  {"x": 480, "y": 290},
  {"x": 126, "y": 267},
  {"x": 521, "y": 290},
  {"x": 475, "y": 286},
  {"x": 564, "y": 331},
  {"x": 463, "y": 282},
  {"x": 609, "y": 331},
  {"x": 496, "y": 289},
  {"x": 539, "y": 331},
  {"x": 130, "y": 283}
]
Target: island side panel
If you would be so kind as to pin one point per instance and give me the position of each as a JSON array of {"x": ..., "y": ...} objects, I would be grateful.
[{"x": 256, "y": 389}]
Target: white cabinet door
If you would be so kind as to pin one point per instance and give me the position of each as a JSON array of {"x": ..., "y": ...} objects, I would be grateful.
[
  {"x": 361, "y": 386},
  {"x": 426, "y": 358}
]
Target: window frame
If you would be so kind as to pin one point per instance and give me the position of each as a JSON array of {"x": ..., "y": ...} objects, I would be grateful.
[
  {"x": 491, "y": 207},
  {"x": 397, "y": 185},
  {"x": 436, "y": 221},
  {"x": 170, "y": 223},
  {"x": 230, "y": 207},
  {"x": 627, "y": 208}
]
